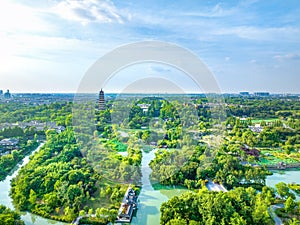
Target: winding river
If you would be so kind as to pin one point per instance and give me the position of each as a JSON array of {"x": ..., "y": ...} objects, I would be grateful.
[
  {"x": 150, "y": 199},
  {"x": 5, "y": 199}
]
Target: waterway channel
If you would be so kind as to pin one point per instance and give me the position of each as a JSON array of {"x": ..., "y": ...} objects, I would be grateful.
[
  {"x": 5, "y": 199},
  {"x": 150, "y": 199}
]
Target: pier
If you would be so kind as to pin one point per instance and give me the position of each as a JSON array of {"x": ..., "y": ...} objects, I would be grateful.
[{"x": 128, "y": 205}]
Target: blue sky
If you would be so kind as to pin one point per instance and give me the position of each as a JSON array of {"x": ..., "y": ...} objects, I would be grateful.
[{"x": 47, "y": 46}]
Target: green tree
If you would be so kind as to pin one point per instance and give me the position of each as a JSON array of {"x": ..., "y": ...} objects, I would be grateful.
[
  {"x": 289, "y": 204},
  {"x": 9, "y": 217},
  {"x": 32, "y": 197},
  {"x": 82, "y": 213},
  {"x": 51, "y": 200},
  {"x": 293, "y": 221},
  {"x": 236, "y": 219},
  {"x": 177, "y": 222},
  {"x": 282, "y": 189}
]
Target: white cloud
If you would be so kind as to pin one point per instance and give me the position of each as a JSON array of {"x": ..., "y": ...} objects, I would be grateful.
[
  {"x": 264, "y": 34},
  {"x": 15, "y": 17},
  {"x": 216, "y": 11},
  {"x": 88, "y": 11},
  {"x": 289, "y": 56},
  {"x": 56, "y": 49}
]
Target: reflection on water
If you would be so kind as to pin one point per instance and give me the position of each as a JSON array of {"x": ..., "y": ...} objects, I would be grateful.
[
  {"x": 150, "y": 200},
  {"x": 286, "y": 176}
]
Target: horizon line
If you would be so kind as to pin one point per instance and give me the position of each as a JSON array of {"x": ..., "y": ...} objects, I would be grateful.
[{"x": 160, "y": 93}]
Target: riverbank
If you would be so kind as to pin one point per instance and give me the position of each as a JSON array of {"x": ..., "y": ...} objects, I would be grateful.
[
  {"x": 283, "y": 166},
  {"x": 5, "y": 199},
  {"x": 287, "y": 176},
  {"x": 150, "y": 199},
  {"x": 10, "y": 160}
]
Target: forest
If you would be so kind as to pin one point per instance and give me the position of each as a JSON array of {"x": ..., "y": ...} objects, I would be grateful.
[
  {"x": 28, "y": 138},
  {"x": 9, "y": 217},
  {"x": 84, "y": 174},
  {"x": 59, "y": 183},
  {"x": 238, "y": 206}
]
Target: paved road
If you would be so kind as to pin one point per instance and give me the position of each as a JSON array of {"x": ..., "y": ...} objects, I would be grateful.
[{"x": 286, "y": 126}]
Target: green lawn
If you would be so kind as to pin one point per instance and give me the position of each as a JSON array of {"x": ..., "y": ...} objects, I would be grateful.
[
  {"x": 117, "y": 145},
  {"x": 277, "y": 156},
  {"x": 269, "y": 161},
  {"x": 266, "y": 120}
]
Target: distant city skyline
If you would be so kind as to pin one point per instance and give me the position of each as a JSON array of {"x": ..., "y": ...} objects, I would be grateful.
[
  {"x": 249, "y": 45},
  {"x": 160, "y": 93}
]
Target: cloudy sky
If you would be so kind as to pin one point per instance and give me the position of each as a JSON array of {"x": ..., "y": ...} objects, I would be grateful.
[{"x": 250, "y": 45}]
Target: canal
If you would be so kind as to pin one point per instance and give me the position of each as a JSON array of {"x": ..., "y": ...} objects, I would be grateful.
[{"x": 150, "y": 199}]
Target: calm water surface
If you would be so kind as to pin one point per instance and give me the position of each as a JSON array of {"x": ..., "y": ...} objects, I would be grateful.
[
  {"x": 150, "y": 199},
  {"x": 287, "y": 176}
]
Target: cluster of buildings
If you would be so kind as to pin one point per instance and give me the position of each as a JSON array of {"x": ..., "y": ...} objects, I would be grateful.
[
  {"x": 8, "y": 144},
  {"x": 39, "y": 126},
  {"x": 257, "y": 128},
  {"x": 144, "y": 107},
  {"x": 257, "y": 94},
  {"x": 6, "y": 95},
  {"x": 35, "y": 98}
]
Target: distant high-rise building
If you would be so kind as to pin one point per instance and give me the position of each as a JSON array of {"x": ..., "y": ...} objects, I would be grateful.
[
  {"x": 101, "y": 103},
  {"x": 262, "y": 94},
  {"x": 7, "y": 94},
  {"x": 244, "y": 93}
]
